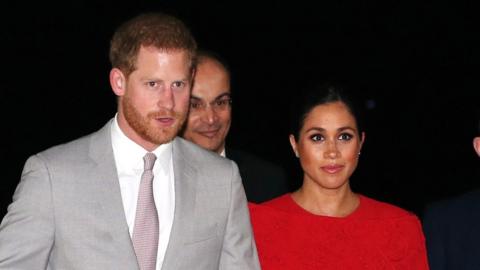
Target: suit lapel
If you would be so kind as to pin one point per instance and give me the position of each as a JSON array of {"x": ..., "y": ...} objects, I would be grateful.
[
  {"x": 104, "y": 177},
  {"x": 185, "y": 192}
]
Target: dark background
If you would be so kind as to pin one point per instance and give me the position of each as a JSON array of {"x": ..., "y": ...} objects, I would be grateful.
[{"x": 415, "y": 64}]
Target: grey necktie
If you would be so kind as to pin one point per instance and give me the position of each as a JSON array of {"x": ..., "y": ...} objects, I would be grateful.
[{"x": 145, "y": 230}]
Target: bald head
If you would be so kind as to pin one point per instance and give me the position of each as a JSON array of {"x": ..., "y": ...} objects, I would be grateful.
[
  {"x": 476, "y": 145},
  {"x": 210, "y": 107}
]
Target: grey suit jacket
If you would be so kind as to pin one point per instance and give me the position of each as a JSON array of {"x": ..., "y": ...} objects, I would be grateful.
[{"x": 67, "y": 212}]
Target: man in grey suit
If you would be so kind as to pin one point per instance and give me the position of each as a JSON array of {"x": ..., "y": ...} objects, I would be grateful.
[{"x": 92, "y": 203}]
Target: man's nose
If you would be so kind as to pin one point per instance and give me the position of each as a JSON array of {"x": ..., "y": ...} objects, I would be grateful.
[
  {"x": 166, "y": 99},
  {"x": 209, "y": 115}
]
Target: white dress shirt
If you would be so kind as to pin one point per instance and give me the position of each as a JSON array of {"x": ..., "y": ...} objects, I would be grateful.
[{"x": 129, "y": 161}]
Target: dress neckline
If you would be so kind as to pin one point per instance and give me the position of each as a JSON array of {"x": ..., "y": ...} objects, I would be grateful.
[{"x": 353, "y": 214}]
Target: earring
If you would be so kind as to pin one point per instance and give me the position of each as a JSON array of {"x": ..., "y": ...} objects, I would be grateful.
[{"x": 296, "y": 154}]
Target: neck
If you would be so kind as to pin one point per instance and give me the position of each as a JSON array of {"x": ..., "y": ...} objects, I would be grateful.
[{"x": 332, "y": 203}]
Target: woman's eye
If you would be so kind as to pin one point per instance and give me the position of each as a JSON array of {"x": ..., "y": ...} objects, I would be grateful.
[
  {"x": 316, "y": 137},
  {"x": 345, "y": 137}
]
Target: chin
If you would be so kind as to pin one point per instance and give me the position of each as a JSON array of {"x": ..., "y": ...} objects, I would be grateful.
[
  {"x": 164, "y": 137},
  {"x": 204, "y": 143},
  {"x": 212, "y": 148}
]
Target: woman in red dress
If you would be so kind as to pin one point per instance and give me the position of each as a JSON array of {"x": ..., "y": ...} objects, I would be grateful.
[{"x": 324, "y": 224}]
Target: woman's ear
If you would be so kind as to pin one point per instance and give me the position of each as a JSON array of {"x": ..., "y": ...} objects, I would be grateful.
[
  {"x": 117, "y": 81},
  {"x": 293, "y": 143},
  {"x": 362, "y": 140}
]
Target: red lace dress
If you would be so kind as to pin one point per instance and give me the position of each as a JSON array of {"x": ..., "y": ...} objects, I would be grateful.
[{"x": 375, "y": 236}]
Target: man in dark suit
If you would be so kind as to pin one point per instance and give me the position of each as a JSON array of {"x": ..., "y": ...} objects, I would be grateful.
[
  {"x": 452, "y": 230},
  {"x": 209, "y": 122}
]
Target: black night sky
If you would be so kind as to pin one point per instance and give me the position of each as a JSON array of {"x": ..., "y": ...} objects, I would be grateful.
[{"x": 413, "y": 62}]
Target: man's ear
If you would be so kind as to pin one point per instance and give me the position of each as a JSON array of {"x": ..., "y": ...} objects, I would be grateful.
[
  {"x": 117, "y": 81},
  {"x": 476, "y": 145}
]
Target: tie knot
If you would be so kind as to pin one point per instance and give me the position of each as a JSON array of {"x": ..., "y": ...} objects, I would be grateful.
[{"x": 149, "y": 160}]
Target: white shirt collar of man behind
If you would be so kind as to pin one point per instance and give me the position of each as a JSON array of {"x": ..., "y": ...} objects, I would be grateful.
[{"x": 129, "y": 162}]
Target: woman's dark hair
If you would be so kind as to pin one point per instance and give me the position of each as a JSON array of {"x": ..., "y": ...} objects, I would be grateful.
[{"x": 319, "y": 94}]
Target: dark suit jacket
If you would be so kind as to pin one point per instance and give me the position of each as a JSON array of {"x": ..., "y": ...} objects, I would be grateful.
[
  {"x": 452, "y": 231},
  {"x": 262, "y": 179}
]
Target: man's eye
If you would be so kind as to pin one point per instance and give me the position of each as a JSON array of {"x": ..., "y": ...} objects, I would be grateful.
[
  {"x": 152, "y": 84},
  {"x": 178, "y": 84},
  {"x": 195, "y": 105},
  {"x": 221, "y": 102}
]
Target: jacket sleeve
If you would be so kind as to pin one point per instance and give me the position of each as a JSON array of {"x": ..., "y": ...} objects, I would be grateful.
[
  {"x": 27, "y": 230},
  {"x": 239, "y": 250}
]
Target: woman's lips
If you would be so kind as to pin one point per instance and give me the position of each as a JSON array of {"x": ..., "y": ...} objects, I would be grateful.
[{"x": 332, "y": 168}]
